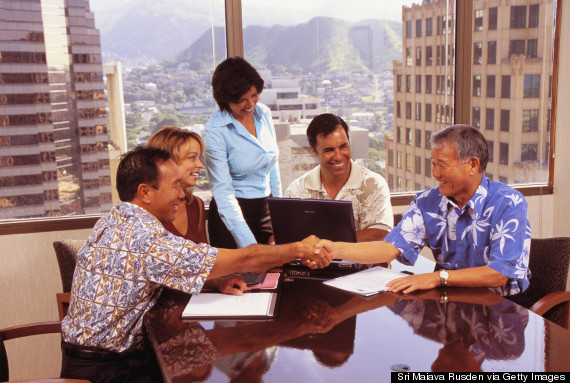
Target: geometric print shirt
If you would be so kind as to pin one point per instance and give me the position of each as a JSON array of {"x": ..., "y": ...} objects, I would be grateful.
[
  {"x": 127, "y": 259},
  {"x": 491, "y": 230}
]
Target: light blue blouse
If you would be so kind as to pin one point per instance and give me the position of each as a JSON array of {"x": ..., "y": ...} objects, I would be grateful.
[{"x": 241, "y": 166}]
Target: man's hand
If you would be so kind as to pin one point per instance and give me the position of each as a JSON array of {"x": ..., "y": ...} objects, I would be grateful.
[
  {"x": 232, "y": 284},
  {"x": 414, "y": 282},
  {"x": 311, "y": 258}
]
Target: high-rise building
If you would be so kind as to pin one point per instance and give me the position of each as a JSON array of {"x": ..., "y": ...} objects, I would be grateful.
[
  {"x": 511, "y": 57},
  {"x": 53, "y": 123}
]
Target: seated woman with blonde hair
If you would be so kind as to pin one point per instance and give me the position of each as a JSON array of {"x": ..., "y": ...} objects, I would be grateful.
[{"x": 186, "y": 147}]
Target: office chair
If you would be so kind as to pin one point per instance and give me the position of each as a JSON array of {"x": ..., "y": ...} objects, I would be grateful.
[
  {"x": 28, "y": 330},
  {"x": 547, "y": 295},
  {"x": 66, "y": 253}
]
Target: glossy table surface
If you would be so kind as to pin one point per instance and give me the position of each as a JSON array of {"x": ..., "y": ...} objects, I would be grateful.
[{"x": 323, "y": 334}]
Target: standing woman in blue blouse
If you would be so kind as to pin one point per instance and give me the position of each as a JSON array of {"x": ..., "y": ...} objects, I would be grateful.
[{"x": 241, "y": 158}]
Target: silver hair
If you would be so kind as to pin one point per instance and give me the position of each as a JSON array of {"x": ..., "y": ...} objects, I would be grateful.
[{"x": 468, "y": 142}]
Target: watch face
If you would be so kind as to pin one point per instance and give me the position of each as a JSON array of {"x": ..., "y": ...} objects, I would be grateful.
[{"x": 444, "y": 274}]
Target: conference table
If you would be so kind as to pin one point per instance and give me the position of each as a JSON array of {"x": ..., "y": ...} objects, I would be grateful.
[{"x": 323, "y": 334}]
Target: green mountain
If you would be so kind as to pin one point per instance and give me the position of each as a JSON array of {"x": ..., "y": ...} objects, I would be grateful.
[{"x": 320, "y": 45}]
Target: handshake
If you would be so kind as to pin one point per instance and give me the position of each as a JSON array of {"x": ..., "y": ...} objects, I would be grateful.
[{"x": 315, "y": 253}]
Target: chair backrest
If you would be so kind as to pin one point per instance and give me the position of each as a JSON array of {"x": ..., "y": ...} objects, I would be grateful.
[
  {"x": 66, "y": 253},
  {"x": 22, "y": 331},
  {"x": 549, "y": 263}
]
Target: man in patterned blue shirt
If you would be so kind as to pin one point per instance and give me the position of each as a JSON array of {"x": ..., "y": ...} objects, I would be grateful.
[{"x": 477, "y": 229}]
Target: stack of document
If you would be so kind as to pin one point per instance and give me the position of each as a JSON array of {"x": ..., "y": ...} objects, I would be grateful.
[{"x": 367, "y": 282}]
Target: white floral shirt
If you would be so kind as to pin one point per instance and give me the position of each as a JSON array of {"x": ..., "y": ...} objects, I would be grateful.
[
  {"x": 368, "y": 192},
  {"x": 491, "y": 230}
]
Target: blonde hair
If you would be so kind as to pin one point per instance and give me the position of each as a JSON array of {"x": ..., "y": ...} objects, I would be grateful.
[{"x": 172, "y": 139}]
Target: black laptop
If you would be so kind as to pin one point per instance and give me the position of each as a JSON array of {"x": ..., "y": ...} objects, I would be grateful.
[{"x": 294, "y": 219}]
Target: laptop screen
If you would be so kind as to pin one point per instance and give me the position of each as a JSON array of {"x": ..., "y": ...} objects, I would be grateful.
[{"x": 294, "y": 219}]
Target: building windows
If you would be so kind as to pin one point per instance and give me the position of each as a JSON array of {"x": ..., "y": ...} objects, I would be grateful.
[
  {"x": 531, "y": 86},
  {"x": 419, "y": 28},
  {"x": 409, "y": 29},
  {"x": 478, "y": 24},
  {"x": 399, "y": 109},
  {"x": 490, "y": 86},
  {"x": 516, "y": 47},
  {"x": 408, "y": 83},
  {"x": 408, "y": 110},
  {"x": 505, "y": 120},
  {"x": 491, "y": 52},
  {"x": 390, "y": 157},
  {"x": 477, "y": 53},
  {"x": 477, "y": 85},
  {"x": 399, "y": 134},
  {"x": 429, "y": 26},
  {"x": 399, "y": 160},
  {"x": 418, "y": 83},
  {"x": 408, "y": 136},
  {"x": 504, "y": 153},
  {"x": 418, "y": 138},
  {"x": 533, "y": 13},
  {"x": 518, "y": 16},
  {"x": 428, "y": 83},
  {"x": 504, "y": 179},
  {"x": 532, "y": 49},
  {"x": 529, "y": 152},
  {"x": 418, "y": 111},
  {"x": 408, "y": 57},
  {"x": 418, "y": 165},
  {"x": 399, "y": 83},
  {"x": 428, "y": 139},
  {"x": 409, "y": 162},
  {"x": 530, "y": 120},
  {"x": 491, "y": 146},
  {"x": 418, "y": 56},
  {"x": 506, "y": 86},
  {"x": 492, "y": 18},
  {"x": 490, "y": 119},
  {"x": 438, "y": 25},
  {"x": 476, "y": 118},
  {"x": 427, "y": 167},
  {"x": 429, "y": 55},
  {"x": 428, "y": 112}
]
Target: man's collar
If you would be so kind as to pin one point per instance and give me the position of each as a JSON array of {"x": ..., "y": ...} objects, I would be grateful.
[{"x": 314, "y": 181}]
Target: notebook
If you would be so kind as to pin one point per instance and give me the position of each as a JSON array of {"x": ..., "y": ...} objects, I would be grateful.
[{"x": 294, "y": 219}]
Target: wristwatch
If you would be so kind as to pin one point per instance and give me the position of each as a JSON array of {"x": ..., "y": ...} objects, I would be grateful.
[{"x": 444, "y": 275}]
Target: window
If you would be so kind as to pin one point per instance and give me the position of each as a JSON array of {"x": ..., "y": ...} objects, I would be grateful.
[
  {"x": 428, "y": 112},
  {"x": 506, "y": 86},
  {"x": 530, "y": 120},
  {"x": 399, "y": 160},
  {"x": 491, "y": 86},
  {"x": 491, "y": 146},
  {"x": 399, "y": 83},
  {"x": 418, "y": 165},
  {"x": 428, "y": 84},
  {"x": 418, "y": 56},
  {"x": 504, "y": 153},
  {"x": 409, "y": 162},
  {"x": 390, "y": 157},
  {"x": 409, "y": 29},
  {"x": 491, "y": 52},
  {"x": 477, "y": 85},
  {"x": 476, "y": 118},
  {"x": 504, "y": 179},
  {"x": 408, "y": 83},
  {"x": 529, "y": 152},
  {"x": 418, "y": 138},
  {"x": 408, "y": 136},
  {"x": 516, "y": 47},
  {"x": 419, "y": 28},
  {"x": 532, "y": 49},
  {"x": 532, "y": 86},
  {"x": 429, "y": 55},
  {"x": 408, "y": 110},
  {"x": 490, "y": 119},
  {"x": 518, "y": 16},
  {"x": 533, "y": 12},
  {"x": 477, "y": 53},
  {"x": 408, "y": 57},
  {"x": 418, "y": 83},
  {"x": 427, "y": 167},
  {"x": 492, "y": 18},
  {"x": 418, "y": 111},
  {"x": 399, "y": 134},
  {"x": 478, "y": 24},
  {"x": 438, "y": 26},
  {"x": 429, "y": 26},
  {"x": 505, "y": 120},
  {"x": 428, "y": 140},
  {"x": 399, "y": 109}
]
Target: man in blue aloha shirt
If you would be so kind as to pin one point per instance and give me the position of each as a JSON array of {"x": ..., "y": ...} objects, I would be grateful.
[{"x": 477, "y": 229}]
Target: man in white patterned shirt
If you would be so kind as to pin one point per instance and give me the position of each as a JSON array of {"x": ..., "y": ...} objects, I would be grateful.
[
  {"x": 127, "y": 259},
  {"x": 338, "y": 177}
]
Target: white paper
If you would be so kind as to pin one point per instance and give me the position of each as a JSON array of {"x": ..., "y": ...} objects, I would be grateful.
[
  {"x": 224, "y": 305},
  {"x": 366, "y": 282}
]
